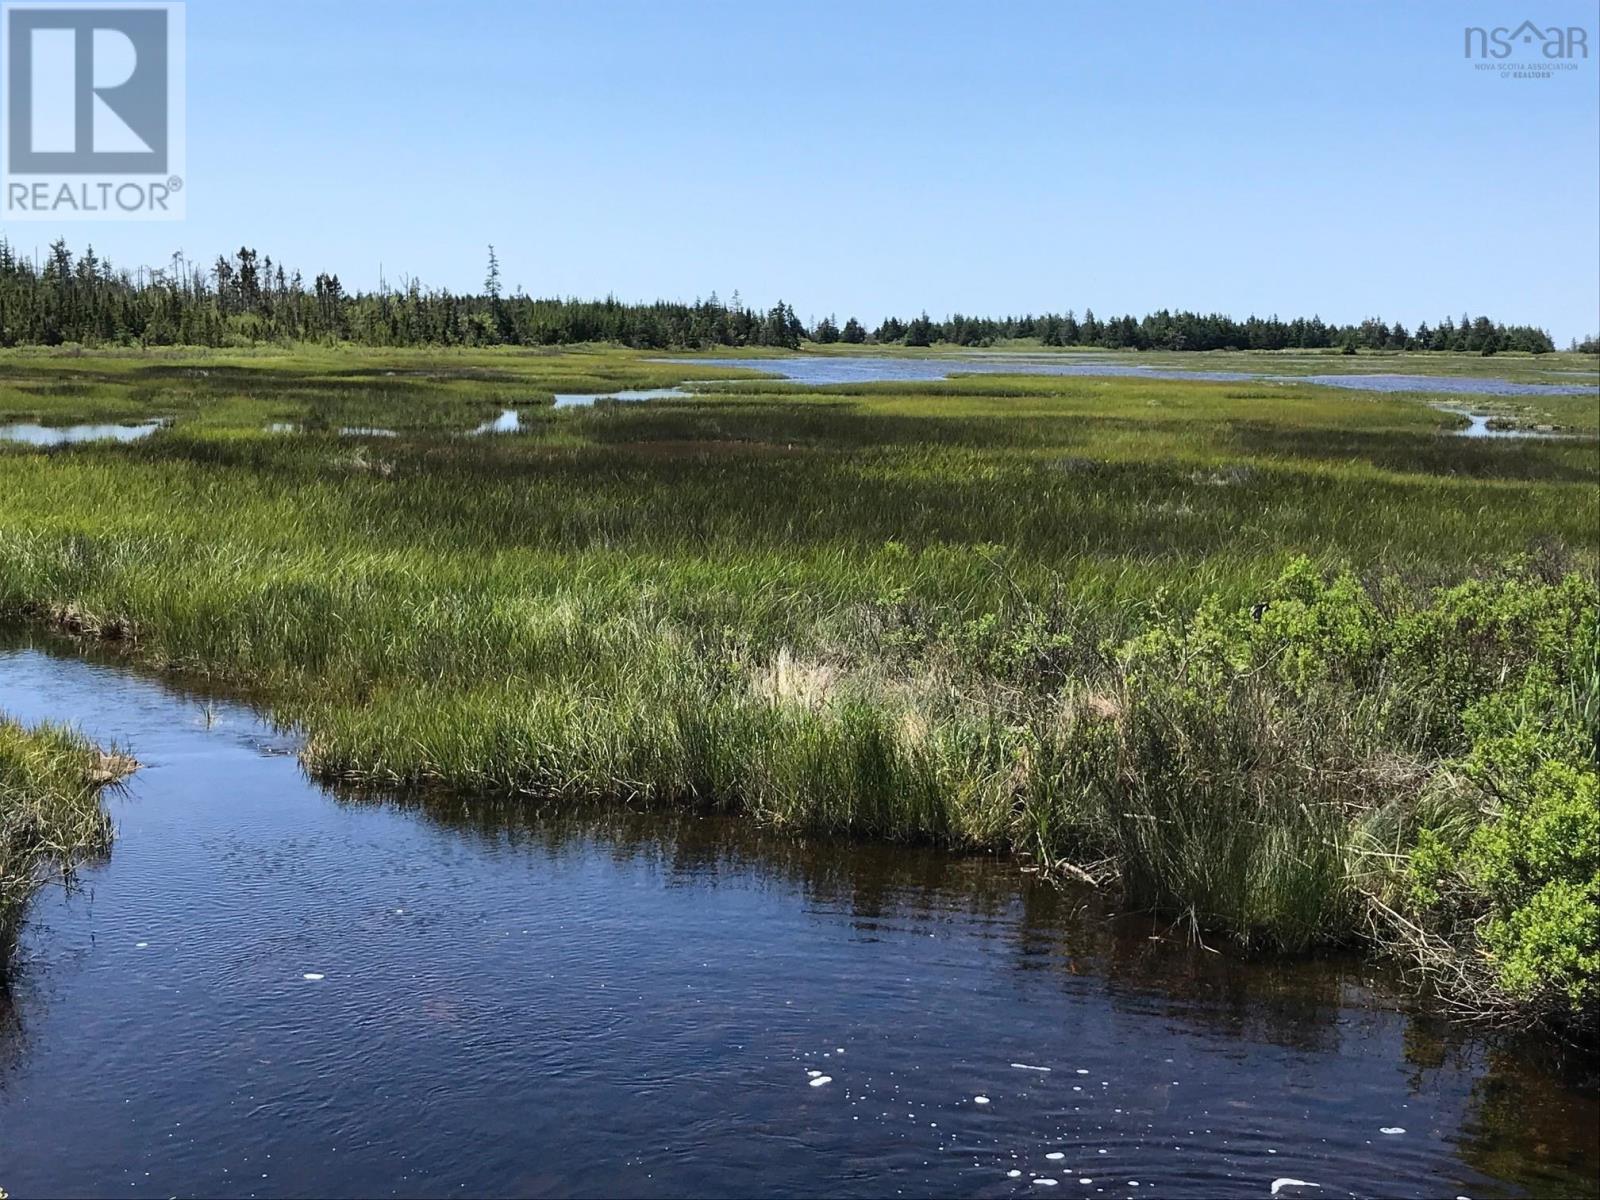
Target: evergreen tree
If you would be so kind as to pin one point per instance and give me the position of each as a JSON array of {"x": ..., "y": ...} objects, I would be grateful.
[
  {"x": 491, "y": 278},
  {"x": 919, "y": 332},
  {"x": 86, "y": 299}
]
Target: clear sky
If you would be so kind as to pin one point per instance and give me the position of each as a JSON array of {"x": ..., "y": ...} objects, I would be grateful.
[{"x": 865, "y": 158}]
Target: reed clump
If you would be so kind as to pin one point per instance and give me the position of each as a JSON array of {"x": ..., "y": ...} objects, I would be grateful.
[{"x": 51, "y": 815}]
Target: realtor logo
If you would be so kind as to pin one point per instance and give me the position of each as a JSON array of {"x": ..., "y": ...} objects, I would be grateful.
[{"x": 93, "y": 124}]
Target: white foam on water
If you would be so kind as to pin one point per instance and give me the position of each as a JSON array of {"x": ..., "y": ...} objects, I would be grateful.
[
  {"x": 1045, "y": 1181},
  {"x": 1055, "y": 1156},
  {"x": 820, "y": 1080},
  {"x": 980, "y": 1099},
  {"x": 1391, "y": 1130},
  {"x": 1027, "y": 1067},
  {"x": 1279, "y": 1184},
  {"x": 1013, "y": 1174},
  {"x": 1083, "y": 1071},
  {"x": 813, "y": 1074}
]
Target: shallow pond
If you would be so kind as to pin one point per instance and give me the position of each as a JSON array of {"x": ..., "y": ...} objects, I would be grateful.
[
  {"x": 1478, "y": 426},
  {"x": 824, "y": 369},
  {"x": 509, "y": 421},
  {"x": 353, "y": 431},
  {"x": 58, "y": 435},
  {"x": 584, "y": 399},
  {"x": 274, "y": 990}
]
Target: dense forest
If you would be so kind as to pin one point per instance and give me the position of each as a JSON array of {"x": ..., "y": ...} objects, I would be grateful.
[{"x": 249, "y": 298}]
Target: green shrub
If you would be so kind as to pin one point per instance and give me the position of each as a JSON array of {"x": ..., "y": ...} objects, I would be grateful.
[{"x": 1521, "y": 889}]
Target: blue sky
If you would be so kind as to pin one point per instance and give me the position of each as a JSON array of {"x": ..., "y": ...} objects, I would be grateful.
[{"x": 866, "y": 158}]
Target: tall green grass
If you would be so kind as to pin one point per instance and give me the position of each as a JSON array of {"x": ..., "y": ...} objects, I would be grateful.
[
  {"x": 968, "y": 613},
  {"x": 51, "y": 817}
]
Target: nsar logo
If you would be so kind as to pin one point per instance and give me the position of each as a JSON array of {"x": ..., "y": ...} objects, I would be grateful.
[{"x": 1554, "y": 42}]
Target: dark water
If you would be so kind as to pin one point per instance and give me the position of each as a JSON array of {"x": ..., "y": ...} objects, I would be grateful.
[
  {"x": 270, "y": 990},
  {"x": 822, "y": 369}
]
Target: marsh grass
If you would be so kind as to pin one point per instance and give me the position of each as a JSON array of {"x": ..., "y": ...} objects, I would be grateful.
[
  {"x": 51, "y": 816},
  {"x": 902, "y": 611},
  {"x": 319, "y": 388}
]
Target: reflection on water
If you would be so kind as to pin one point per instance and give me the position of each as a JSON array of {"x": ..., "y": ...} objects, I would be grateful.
[
  {"x": 1481, "y": 425},
  {"x": 274, "y": 990},
  {"x": 581, "y": 399},
  {"x": 1463, "y": 385},
  {"x": 57, "y": 435},
  {"x": 344, "y": 431},
  {"x": 509, "y": 421},
  {"x": 820, "y": 370}
]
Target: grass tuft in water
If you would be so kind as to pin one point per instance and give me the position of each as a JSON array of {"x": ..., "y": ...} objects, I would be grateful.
[{"x": 51, "y": 817}]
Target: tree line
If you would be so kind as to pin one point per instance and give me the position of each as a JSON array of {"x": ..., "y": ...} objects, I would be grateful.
[
  {"x": 1166, "y": 330},
  {"x": 248, "y": 298}
]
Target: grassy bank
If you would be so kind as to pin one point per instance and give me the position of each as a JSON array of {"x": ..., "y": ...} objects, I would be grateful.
[
  {"x": 51, "y": 818},
  {"x": 1253, "y": 654}
]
